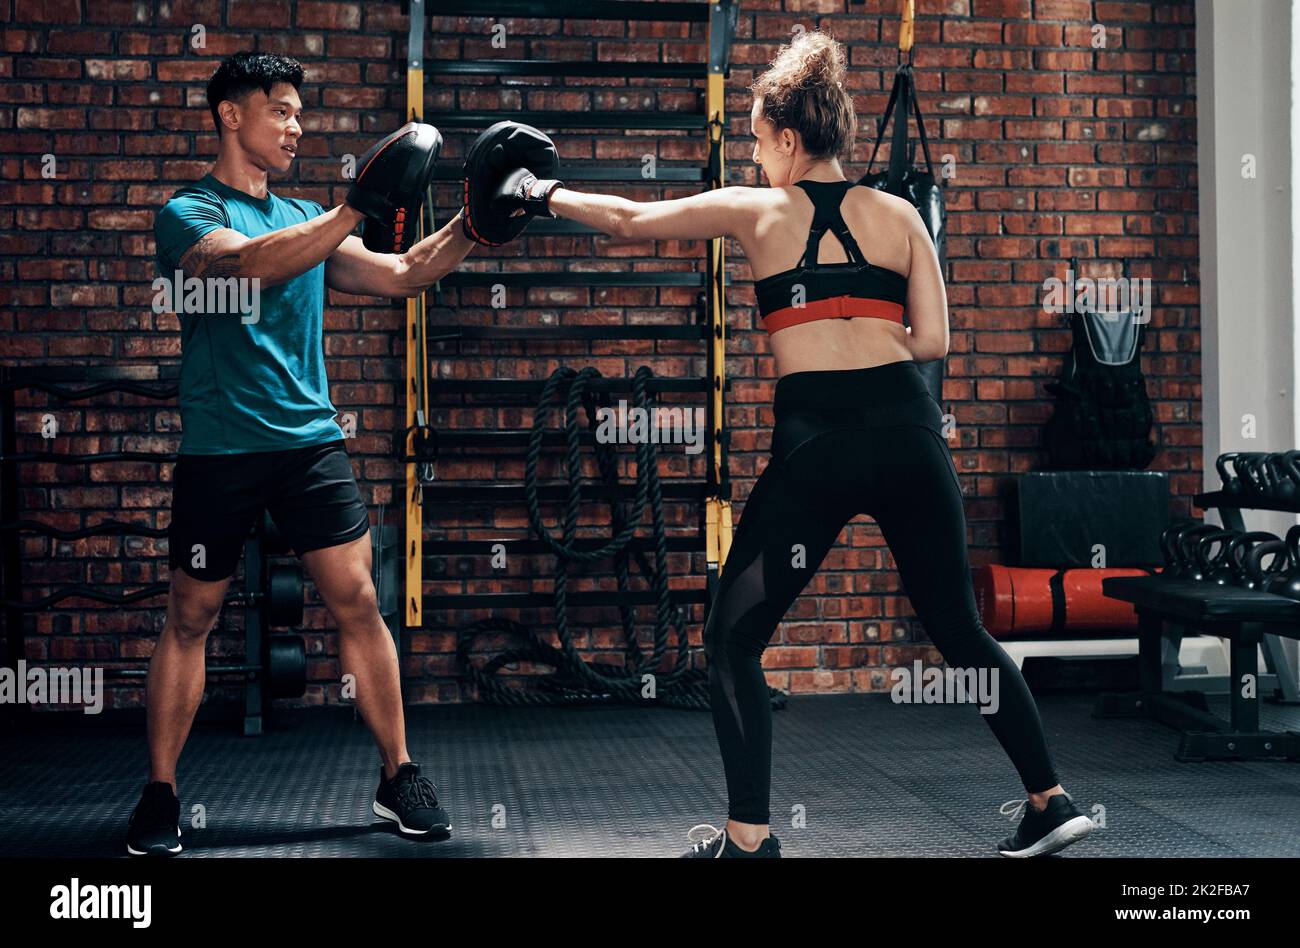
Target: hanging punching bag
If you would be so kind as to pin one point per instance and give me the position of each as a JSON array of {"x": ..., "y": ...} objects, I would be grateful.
[{"x": 917, "y": 187}]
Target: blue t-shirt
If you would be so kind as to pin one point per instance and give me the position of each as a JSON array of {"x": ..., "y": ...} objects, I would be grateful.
[{"x": 256, "y": 381}]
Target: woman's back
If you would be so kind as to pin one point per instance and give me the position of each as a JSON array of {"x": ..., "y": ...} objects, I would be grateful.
[{"x": 885, "y": 228}]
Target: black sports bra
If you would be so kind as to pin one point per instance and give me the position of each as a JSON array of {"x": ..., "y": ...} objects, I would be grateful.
[{"x": 810, "y": 291}]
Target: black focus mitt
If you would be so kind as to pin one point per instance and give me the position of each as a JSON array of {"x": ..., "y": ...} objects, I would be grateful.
[
  {"x": 499, "y": 151},
  {"x": 391, "y": 182}
]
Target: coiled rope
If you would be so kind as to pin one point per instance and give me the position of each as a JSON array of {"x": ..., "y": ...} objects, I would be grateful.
[{"x": 639, "y": 680}]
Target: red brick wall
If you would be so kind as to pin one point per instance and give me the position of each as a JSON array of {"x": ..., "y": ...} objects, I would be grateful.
[{"x": 1060, "y": 150}]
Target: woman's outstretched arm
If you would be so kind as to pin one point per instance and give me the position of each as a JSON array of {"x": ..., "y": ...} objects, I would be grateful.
[{"x": 724, "y": 212}]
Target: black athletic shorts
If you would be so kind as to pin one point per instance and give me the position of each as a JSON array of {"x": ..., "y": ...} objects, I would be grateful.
[{"x": 217, "y": 498}]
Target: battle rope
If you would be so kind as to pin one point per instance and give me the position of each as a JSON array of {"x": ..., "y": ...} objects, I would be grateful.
[{"x": 639, "y": 679}]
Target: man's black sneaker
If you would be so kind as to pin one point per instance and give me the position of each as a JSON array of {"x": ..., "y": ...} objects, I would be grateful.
[
  {"x": 155, "y": 828},
  {"x": 411, "y": 801},
  {"x": 1053, "y": 828},
  {"x": 709, "y": 842}
]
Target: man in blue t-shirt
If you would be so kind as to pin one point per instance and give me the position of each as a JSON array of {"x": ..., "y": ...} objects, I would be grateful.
[{"x": 258, "y": 426}]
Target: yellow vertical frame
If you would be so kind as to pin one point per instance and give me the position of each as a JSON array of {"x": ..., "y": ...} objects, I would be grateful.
[
  {"x": 718, "y": 509},
  {"x": 417, "y": 395}
]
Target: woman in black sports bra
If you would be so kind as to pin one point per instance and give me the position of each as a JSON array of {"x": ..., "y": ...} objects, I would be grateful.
[{"x": 856, "y": 432}]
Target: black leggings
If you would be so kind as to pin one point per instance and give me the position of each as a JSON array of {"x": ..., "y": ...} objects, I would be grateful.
[{"x": 847, "y": 443}]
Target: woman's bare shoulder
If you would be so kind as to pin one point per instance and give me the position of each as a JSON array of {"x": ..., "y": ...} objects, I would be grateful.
[
  {"x": 882, "y": 202},
  {"x": 768, "y": 207},
  {"x": 880, "y": 211},
  {"x": 762, "y": 197}
]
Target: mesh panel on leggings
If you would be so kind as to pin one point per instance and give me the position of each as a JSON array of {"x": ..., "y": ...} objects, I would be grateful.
[{"x": 736, "y": 602}]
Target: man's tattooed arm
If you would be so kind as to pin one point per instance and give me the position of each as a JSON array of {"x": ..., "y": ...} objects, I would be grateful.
[
  {"x": 273, "y": 257},
  {"x": 215, "y": 254}
]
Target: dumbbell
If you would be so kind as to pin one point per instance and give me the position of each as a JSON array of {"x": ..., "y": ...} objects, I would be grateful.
[
  {"x": 284, "y": 582},
  {"x": 283, "y": 595},
  {"x": 284, "y": 667},
  {"x": 283, "y": 656},
  {"x": 280, "y": 598},
  {"x": 285, "y": 660}
]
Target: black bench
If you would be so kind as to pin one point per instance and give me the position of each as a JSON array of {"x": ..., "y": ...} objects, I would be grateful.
[{"x": 1243, "y": 617}]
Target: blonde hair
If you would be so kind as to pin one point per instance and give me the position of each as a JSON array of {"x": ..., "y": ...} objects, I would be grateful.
[{"x": 803, "y": 90}]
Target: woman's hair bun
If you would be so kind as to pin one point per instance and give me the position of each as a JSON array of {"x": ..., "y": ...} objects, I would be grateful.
[{"x": 803, "y": 90}]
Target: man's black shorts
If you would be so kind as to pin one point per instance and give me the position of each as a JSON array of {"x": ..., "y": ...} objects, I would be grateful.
[{"x": 217, "y": 498}]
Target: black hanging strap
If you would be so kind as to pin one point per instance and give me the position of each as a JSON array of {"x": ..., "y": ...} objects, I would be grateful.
[{"x": 903, "y": 80}]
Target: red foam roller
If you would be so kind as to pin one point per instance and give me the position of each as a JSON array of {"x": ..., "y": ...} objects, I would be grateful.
[{"x": 1014, "y": 600}]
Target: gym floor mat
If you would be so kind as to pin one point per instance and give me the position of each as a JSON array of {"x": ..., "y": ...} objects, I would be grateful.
[{"x": 861, "y": 776}]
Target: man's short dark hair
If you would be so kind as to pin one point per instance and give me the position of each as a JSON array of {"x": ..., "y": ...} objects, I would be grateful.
[{"x": 246, "y": 72}]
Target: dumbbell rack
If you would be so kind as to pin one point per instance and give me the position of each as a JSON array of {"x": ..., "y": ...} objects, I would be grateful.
[
  {"x": 273, "y": 665},
  {"x": 1241, "y": 616},
  {"x": 1229, "y": 508},
  {"x": 709, "y": 326}
]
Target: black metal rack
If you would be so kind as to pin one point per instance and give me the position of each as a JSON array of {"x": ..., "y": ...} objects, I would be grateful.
[
  {"x": 1250, "y": 620},
  {"x": 1229, "y": 507},
  {"x": 76, "y": 383},
  {"x": 707, "y": 322}
]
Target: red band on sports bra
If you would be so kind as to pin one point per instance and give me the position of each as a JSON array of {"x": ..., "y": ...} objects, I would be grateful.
[{"x": 832, "y": 308}]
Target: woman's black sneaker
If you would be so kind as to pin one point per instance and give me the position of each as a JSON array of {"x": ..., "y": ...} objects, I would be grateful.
[
  {"x": 155, "y": 828},
  {"x": 1053, "y": 828},
  {"x": 713, "y": 843},
  {"x": 411, "y": 801}
]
